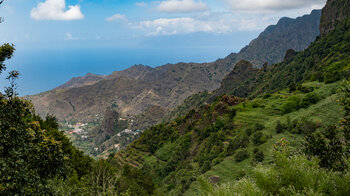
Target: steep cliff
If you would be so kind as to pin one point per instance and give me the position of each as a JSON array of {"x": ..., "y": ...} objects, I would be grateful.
[{"x": 334, "y": 12}]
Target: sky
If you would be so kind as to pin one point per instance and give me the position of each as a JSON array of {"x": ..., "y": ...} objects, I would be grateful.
[{"x": 59, "y": 39}]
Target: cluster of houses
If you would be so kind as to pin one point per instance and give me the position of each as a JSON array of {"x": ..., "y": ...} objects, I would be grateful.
[{"x": 78, "y": 129}]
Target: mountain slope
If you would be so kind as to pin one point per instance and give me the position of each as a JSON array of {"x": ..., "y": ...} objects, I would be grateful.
[
  {"x": 334, "y": 12},
  {"x": 138, "y": 88},
  {"x": 224, "y": 139},
  {"x": 288, "y": 33},
  {"x": 327, "y": 59}
]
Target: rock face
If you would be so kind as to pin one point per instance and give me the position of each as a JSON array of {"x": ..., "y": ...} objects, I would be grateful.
[
  {"x": 270, "y": 46},
  {"x": 141, "y": 89},
  {"x": 108, "y": 126},
  {"x": 232, "y": 83},
  {"x": 334, "y": 12},
  {"x": 289, "y": 54}
]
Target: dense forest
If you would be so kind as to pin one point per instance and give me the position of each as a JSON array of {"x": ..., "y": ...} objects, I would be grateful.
[{"x": 283, "y": 130}]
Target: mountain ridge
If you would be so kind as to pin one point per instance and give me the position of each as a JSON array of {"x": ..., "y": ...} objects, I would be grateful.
[{"x": 171, "y": 81}]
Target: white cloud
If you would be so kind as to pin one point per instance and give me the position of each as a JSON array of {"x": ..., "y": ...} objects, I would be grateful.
[
  {"x": 56, "y": 10},
  {"x": 141, "y": 4},
  {"x": 181, "y": 6},
  {"x": 184, "y": 25},
  {"x": 272, "y": 5},
  {"x": 117, "y": 17}
]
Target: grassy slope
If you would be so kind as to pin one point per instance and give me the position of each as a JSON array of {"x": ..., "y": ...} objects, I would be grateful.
[
  {"x": 265, "y": 111},
  {"x": 326, "y": 111}
]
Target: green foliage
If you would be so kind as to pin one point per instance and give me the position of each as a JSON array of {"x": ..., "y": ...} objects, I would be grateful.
[
  {"x": 134, "y": 181},
  {"x": 105, "y": 178},
  {"x": 259, "y": 138},
  {"x": 6, "y": 52},
  {"x": 28, "y": 156},
  {"x": 258, "y": 156},
  {"x": 345, "y": 101},
  {"x": 304, "y": 127},
  {"x": 242, "y": 187},
  {"x": 156, "y": 136},
  {"x": 327, "y": 145},
  {"x": 241, "y": 155},
  {"x": 330, "y": 145},
  {"x": 32, "y": 150},
  {"x": 309, "y": 99},
  {"x": 289, "y": 175},
  {"x": 240, "y": 141},
  {"x": 232, "y": 113},
  {"x": 279, "y": 127},
  {"x": 292, "y": 104},
  {"x": 259, "y": 127}
]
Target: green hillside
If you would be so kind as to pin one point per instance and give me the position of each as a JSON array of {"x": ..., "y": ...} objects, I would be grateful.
[{"x": 221, "y": 139}]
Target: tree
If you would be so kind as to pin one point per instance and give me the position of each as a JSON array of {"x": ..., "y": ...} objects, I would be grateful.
[
  {"x": 28, "y": 156},
  {"x": 327, "y": 145}
]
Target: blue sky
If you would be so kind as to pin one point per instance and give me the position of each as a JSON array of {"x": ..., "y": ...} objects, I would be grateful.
[{"x": 50, "y": 33}]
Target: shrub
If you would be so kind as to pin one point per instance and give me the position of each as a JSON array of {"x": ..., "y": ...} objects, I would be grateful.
[
  {"x": 255, "y": 105},
  {"x": 266, "y": 95},
  {"x": 330, "y": 77},
  {"x": 241, "y": 155},
  {"x": 305, "y": 127},
  {"x": 292, "y": 87},
  {"x": 309, "y": 99},
  {"x": 248, "y": 131},
  {"x": 259, "y": 138},
  {"x": 259, "y": 127},
  {"x": 205, "y": 167},
  {"x": 292, "y": 104},
  {"x": 327, "y": 145},
  {"x": 258, "y": 156},
  {"x": 236, "y": 143},
  {"x": 232, "y": 113}
]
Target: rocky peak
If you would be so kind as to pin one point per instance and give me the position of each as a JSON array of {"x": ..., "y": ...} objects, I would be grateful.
[
  {"x": 242, "y": 66},
  {"x": 288, "y": 33},
  {"x": 234, "y": 80},
  {"x": 334, "y": 12},
  {"x": 108, "y": 125}
]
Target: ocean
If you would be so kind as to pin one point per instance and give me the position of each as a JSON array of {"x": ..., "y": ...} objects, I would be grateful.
[{"x": 45, "y": 69}]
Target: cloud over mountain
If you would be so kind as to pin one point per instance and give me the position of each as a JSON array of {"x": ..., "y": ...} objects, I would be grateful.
[
  {"x": 272, "y": 5},
  {"x": 56, "y": 10}
]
